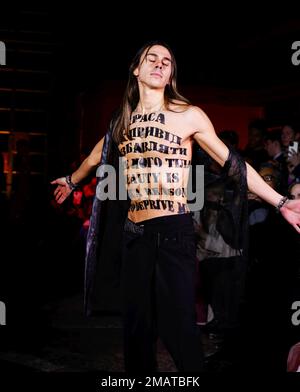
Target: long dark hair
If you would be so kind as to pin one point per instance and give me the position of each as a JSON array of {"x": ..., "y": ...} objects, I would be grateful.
[{"x": 131, "y": 95}]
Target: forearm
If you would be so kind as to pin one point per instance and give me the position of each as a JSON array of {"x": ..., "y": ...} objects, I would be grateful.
[
  {"x": 85, "y": 169},
  {"x": 258, "y": 186},
  {"x": 89, "y": 164}
]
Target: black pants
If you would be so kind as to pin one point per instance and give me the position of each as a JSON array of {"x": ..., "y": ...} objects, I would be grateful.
[
  {"x": 158, "y": 293},
  {"x": 224, "y": 289}
]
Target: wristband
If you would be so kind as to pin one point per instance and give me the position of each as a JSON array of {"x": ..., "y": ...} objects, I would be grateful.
[
  {"x": 281, "y": 203},
  {"x": 71, "y": 184}
]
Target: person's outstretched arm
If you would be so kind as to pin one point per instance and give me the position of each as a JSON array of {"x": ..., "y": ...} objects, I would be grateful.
[
  {"x": 206, "y": 137},
  {"x": 64, "y": 189}
]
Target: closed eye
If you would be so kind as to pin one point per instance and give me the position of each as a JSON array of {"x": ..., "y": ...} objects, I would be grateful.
[{"x": 152, "y": 58}]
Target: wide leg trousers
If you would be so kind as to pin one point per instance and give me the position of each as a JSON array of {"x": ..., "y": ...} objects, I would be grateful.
[{"x": 158, "y": 281}]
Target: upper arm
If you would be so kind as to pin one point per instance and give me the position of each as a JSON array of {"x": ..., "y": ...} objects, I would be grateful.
[
  {"x": 95, "y": 155},
  {"x": 206, "y": 136}
]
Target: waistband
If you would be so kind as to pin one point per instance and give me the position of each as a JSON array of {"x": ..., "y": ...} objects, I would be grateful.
[{"x": 167, "y": 223}]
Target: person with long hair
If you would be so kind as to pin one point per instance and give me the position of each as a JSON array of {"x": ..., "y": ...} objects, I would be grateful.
[{"x": 154, "y": 132}]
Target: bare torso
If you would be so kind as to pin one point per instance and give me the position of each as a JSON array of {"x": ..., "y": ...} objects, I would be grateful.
[{"x": 157, "y": 157}]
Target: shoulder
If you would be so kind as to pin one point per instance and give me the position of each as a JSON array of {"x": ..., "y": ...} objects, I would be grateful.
[
  {"x": 197, "y": 118},
  {"x": 189, "y": 110},
  {"x": 177, "y": 106},
  {"x": 196, "y": 112},
  {"x": 192, "y": 117}
]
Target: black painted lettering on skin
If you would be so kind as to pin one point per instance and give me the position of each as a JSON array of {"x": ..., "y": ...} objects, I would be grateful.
[
  {"x": 153, "y": 205},
  {"x": 158, "y": 117}
]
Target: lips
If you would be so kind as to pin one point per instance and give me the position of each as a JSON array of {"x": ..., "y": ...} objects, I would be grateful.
[{"x": 156, "y": 74}]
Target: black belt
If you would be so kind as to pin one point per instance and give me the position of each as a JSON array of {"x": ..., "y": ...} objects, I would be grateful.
[{"x": 133, "y": 227}]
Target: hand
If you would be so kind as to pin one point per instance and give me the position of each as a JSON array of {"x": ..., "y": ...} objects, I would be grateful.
[
  {"x": 291, "y": 212},
  {"x": 62, "y": 191}
]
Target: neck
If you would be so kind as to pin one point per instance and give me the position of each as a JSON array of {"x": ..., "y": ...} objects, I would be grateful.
[
  {"x": 150, "y": 108},
  {"x": 150, "y": 102}
]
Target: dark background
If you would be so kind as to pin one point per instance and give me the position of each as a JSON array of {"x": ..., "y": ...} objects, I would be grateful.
[
  {"x": 65, "y": 74},
  {"x": 239, "y": 57}
]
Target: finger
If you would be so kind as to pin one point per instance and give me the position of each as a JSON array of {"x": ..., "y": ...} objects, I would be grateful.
[
  {"x": 59, "y": 194},
  {"x": 60, "y": 199},
  {"x": 64, "y": 196},
  {"x": 57, "y": 190},
  {"x": 297, "y": 228},
  {"x": 59, "y": 181}
]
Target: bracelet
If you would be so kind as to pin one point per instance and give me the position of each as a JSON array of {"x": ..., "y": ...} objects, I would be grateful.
[
  {"x": 71, "y": 184},
  {"x": 281, "y": 203}
]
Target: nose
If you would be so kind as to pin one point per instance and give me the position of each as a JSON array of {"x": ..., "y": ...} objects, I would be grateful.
[{"x": 158, "y": 64}]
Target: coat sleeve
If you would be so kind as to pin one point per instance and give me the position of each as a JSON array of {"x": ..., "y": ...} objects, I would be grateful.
[
  {"x": 222, "y": 224},
  {"x": 104, "y": 239},
  {"x": 93, "y": 236}
]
